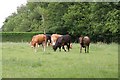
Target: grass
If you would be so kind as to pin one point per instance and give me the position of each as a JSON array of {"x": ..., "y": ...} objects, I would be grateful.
[
  {"x": 20, "y": 61},
  {"x": 0, "y": 61}
]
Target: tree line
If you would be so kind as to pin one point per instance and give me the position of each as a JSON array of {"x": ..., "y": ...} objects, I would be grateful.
[{"x": 96, "y": 19}]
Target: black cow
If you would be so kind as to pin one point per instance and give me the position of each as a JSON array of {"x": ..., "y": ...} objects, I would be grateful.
[
  {"x": 48, "y": 37},
  {"x": 61, "y": 41}
]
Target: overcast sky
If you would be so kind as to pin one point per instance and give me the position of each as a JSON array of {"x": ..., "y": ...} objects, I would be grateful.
[{"x": 7, "y": 7}]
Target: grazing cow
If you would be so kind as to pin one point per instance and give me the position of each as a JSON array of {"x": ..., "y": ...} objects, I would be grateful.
[
  {"x": 48, "y": 40},
  {"x": 54, "y": 37},
  {"x": 37, "y": 40},
  {"x": 84, "y": 42},
  {"x": 61, "y": 41}
]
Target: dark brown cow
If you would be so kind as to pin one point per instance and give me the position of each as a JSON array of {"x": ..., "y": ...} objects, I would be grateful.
[
  {"x": 54, "y": 38},
  {"x": 37, "y": 40},
  {"x": 62, "y": 41},
  {"x": 84, "y": 42}
]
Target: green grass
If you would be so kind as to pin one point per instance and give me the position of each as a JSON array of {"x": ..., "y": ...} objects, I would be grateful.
[
  {"x": 0, "y": 61},
  {"x": 20, "y": 61}
]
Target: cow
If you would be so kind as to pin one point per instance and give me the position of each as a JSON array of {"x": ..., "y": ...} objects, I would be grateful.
[
  {"x": 61, "y": 41},
  {"x": 84, "y": 42},
  {"x": 48, "y": 39},
  {"x": 54, "y": 37},
  {"x": 37, "y": 40}
]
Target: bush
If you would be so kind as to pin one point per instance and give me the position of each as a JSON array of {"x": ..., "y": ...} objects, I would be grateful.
[
  {"x": 27, "y": 36},
  {"x": 17, "y": 37}
]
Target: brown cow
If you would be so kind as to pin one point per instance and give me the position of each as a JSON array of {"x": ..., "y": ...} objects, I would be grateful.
[
  {"x": 37, "y": 40},
  {"x": 54, "y": 37},
  {"x": 84, "y": 42}
]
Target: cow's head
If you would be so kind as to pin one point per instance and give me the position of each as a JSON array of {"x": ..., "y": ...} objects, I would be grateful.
[
  {"x": 80, "y": 40},
  {"x": 71, "y": 45},
  {"x": 54, "y": 48},
  {"x": 32, "y": 44}
]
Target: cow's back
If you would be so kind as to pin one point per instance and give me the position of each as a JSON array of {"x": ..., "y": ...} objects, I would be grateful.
[
  {"x": 59, "y": 41},
  {"x": 38, "y": 39},
  {"x": 63, "y": 40},
  {"x": 67, "y": 38},
  {"x": 86, "y": 40}
]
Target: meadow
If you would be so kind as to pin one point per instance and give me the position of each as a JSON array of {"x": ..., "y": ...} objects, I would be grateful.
[{"x": 20, "y": 61}]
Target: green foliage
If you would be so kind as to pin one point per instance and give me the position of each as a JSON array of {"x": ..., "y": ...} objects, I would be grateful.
[
  {"x": 76, "y": 18},
  {"x": 61, "y": 17}
]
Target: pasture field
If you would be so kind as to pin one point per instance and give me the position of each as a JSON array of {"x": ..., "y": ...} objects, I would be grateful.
[
  {"x": 20, "y": 61},
  {"x": 0, "y": 61}
]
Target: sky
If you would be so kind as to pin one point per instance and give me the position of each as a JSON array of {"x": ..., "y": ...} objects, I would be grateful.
[{"x": 7, "y": 7}]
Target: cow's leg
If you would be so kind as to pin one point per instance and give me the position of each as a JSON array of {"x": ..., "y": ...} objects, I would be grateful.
[
  {"x": 64, "y": 48},
  {"x": 68, "y": 46},
  {"x": 44, "y": 46},
  {"x": 48, "y": 42},
  {"x": 88, "y": 49},
  {"x": 59, "y": 48},
  {"x": 36, "y": 46},
  {"x": 80, "y": 49},
  {"x": 85, "y": 49}
]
